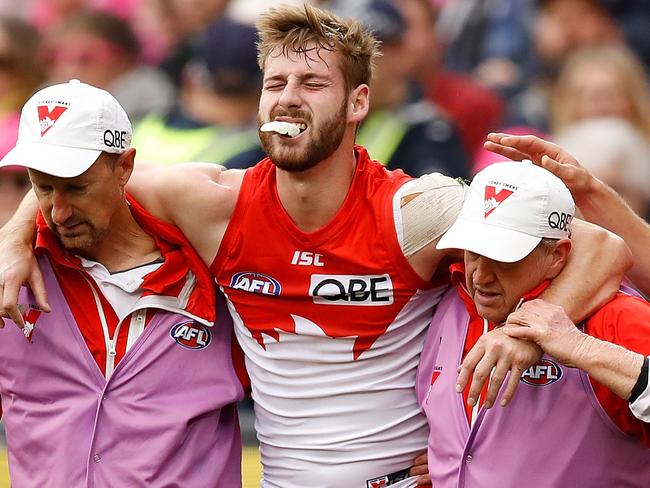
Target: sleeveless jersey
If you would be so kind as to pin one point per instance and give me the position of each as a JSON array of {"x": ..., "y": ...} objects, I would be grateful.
[{"x": 332, "y": 325}]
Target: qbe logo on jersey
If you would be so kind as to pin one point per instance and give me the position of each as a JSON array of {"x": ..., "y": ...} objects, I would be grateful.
[
  {"x": 364, "y": 290},
  {"x": 191, "y": 335}
]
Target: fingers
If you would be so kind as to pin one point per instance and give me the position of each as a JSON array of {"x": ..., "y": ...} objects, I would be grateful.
[
  {"x": 521, "y": 332},
  {"x": 481, "y": 375},
  {"x": 37, "y": 286},
  {"x": 10, "y": 289},
  {"x": 421, "y": 470},
  {"x": 421, "y": 459},
  {"x": 424, "y": 481},
  {"x": 467, "y": 368},
  {"x": 496, "y": 380},
  {"x": 504, "y": 151},
  {"x": 511, "y": 387}
]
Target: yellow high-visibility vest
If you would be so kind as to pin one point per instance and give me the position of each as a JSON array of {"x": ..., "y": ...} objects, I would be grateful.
[{"x": 158, "y": 143}]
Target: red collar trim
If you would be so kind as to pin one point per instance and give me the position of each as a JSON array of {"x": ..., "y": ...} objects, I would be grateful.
[{"x": 169, "y": 279}]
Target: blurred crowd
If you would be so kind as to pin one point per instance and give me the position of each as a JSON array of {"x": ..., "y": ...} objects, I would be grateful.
[{"x": 574, "y": 71}]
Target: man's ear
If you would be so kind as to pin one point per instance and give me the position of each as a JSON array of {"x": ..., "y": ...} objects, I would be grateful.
[
  {"x": 124, "y": 166},
  {"x": 558, "y": 258},
  {"x": 358, "y": 104}
]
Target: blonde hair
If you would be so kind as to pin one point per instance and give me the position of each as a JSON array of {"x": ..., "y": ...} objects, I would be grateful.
[
  {"x": 307, "y": 29},
  {"x": 615, "y": 58}
]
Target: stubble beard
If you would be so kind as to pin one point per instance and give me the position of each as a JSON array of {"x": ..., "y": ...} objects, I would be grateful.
[
  {"x": 82, "y": 242},
  {"x": 324, "y": 140}
]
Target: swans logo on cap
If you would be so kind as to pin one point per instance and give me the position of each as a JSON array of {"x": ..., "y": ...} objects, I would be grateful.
[
  {"x": 493, "y": 198},
  {"x": 191, "y": 335},
  {"x": 47, "y": 118}
]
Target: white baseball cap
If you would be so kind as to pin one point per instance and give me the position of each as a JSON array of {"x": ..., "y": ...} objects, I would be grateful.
[
  {"x": 508, "y": 209},
  {"x": 64, "y": 128}
]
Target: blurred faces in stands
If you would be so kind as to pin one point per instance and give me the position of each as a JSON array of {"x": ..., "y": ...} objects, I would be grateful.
[
  {"x": 94, "y": 47},
  {"x": 20, "y": 75},
  {"x": 614, "y": 151},
  {"x": 563, "y": 25},
  {"x": 14, "y": 183},
  {"x": 602, "y": 81}
]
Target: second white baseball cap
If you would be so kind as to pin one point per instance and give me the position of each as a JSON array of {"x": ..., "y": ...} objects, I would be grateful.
[
  {"x": 64, "y": 128},
  {"x": 508, "y": 209}
]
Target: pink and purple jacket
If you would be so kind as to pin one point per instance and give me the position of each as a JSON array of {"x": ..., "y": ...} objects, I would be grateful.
[
  {"x": 554, "y": 433},
  {"x": 166, "y": 417}
]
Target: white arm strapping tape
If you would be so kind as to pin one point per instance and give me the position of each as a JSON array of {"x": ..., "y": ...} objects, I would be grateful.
[
  {"x": 425, "y": 208},
  {"x": 641, "y": 406}
]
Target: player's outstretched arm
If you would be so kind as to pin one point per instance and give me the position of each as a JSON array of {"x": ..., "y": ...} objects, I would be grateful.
[
  {"x": 597, "y": 202},
  {"x": 592, "y": 276},
  {"x": 18, "y": 265},
  {"x": 197, "y": 197}
]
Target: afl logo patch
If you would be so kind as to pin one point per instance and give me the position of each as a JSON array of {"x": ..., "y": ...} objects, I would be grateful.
[
  {"x": 256, "y": 283},
  {"x": 191, "y": 335},
  {"x": 544, "y": 373}
]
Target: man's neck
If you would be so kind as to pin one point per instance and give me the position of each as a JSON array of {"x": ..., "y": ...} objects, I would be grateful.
[
  {"x": 125, "y": 245},
  {"x": 313, "y": 197}
]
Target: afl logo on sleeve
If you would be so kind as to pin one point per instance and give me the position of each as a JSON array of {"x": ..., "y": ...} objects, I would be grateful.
[
  {"x": 366, "y": 290},
  {"x": 191, "y": 335},
  {"x": 544, "y": 373}
]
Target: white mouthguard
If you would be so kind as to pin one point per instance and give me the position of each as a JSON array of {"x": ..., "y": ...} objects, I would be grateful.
[{"x": 286, "y": 128}]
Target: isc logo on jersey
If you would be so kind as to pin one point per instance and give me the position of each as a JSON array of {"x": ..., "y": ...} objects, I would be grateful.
[
  {"x": 365, "y": 290},
  {"x": 255, "y": 283},
  {"x": 191, "y": 335},
  {"x": 544, "y": 373}
]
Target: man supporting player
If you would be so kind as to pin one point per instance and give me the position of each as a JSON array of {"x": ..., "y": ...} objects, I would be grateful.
[
  {"x": 600, "y": 204},
  {"x": 128, "y": 381},
  {"x": 565, "y": 426}
]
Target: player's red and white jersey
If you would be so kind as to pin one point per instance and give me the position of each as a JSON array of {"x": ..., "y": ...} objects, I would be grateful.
[{"x": 332, "y": 325}]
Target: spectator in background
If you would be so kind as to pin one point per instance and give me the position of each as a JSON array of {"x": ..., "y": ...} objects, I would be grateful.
[
  {"x": 489, "y": 39},
  {"x": 614, "y": 151},
  {"x": 402, "y": 129},
  {"x": 20, "y": 75},
  {"x": 214, "y": 119},
  {"x": 560, "y": 28},
  {"x": 103, "y": 51},
  {"x": 44, "y": 14},
  {"x": 474, "y": 110},
  {"x": 14, "y": 183},
  {"x": 182, "y": 20},
  {"x": 602, "y": 81}
]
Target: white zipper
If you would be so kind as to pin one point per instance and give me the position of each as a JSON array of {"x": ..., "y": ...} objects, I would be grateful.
[{"x": 111, "y": 351}]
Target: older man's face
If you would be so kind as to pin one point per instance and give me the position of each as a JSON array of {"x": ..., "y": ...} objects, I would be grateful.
[
  {"x": 497, "y": 287},
  {"x": 79, "y": 210}
]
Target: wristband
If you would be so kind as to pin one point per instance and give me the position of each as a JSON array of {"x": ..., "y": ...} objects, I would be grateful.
[{"x": 642, "y": 382}]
